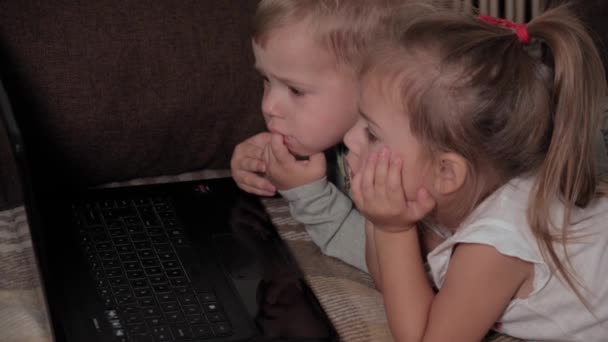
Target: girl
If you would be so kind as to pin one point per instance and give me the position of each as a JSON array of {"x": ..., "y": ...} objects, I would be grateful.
[{"x": 461, "y": 128}]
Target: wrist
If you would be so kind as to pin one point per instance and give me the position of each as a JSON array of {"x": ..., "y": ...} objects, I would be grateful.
[
  {"x": 391, "y": 229},
  {"x": 306, "y": 191}
]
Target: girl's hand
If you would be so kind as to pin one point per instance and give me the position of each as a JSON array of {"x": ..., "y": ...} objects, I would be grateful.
[{"x": 379, "y": 194}]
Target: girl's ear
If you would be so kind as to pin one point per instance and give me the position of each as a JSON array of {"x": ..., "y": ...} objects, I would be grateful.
[{"x": 451, "y": 171}]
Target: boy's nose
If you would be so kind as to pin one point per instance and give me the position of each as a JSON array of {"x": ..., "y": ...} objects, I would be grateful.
[{"x": 270, "y": 107}]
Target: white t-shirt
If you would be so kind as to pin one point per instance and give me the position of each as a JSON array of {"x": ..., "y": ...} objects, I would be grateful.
[{"x": 552, "y": 312}]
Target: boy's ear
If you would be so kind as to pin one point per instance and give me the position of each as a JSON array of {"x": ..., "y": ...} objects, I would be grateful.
[{"x": 451, "y": 171}]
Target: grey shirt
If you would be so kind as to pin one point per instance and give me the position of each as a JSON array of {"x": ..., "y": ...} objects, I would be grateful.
[{"x": 331, "y": 220}]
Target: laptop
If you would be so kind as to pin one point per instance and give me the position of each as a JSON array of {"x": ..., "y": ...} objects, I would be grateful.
[{"x": 187, "y": 261}]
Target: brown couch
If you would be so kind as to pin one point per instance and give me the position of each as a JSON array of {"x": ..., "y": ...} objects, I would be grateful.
[{"x": 113, "y": 90}]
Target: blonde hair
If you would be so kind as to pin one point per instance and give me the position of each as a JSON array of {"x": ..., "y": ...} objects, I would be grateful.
[
  {"x": 345, "y": 28},
  {"x": 472, "y": 88}
]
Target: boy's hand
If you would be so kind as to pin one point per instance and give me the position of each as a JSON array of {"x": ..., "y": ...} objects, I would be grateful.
[
  {"x": 285, "y": 171},
  {"x": 247, "y": 165},
  {"x": 378, "y": 193}
]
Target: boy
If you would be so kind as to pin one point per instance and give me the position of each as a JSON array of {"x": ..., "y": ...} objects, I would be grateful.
[{"x": 309, "y": 53}]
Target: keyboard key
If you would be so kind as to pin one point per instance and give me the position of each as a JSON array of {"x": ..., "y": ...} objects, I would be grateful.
[
  {"x": 146, "y": 301},
  {"x": 128, "y": 257},
  {"x": 151, "y": 312},
  {"x": 117, "y": 281},
  {"x": 157, "y": 279},
  {"x": 181, "y": 332},
  {"x": 150, "y": 262},
  {"x": 169, "y": 307},
  {"x": 134, "y": 318},
  {"x": 216, "y": 317},
  {"x": 164, "y": 247},
  {"x": 117, "y": 232},
  {"x": 161, "y": 334},
  {"x": 196, "y": 319},
  {"x": 135, "y": 274},
  {"x": 139, "y": 283},
  {"x": 125, "y": 299},
  {"x": 104, "y": 246},
  {"x": 206, "y": 297},
  {"x": 154, "y": 270},
  {"x": 124, "y": 248},
  {"x": 141, "y": 338},
  {"x": 182, "y": 290},
  {"x": 160, "y": 288},
  {"x": 121, "y": 290},
  {"x": 202, "y": 331},
  {"x": 146, "y": 253},
  {"x": 187, "y": 299},
  {"x": 156, "y": 231},
  {"x": 192, "y": 310},
  {"x": 121, "y": 240},
  {"x": 222, "y": 329},
  {"x": 140, "y": 241},
  {"x": 174, "y": 273},
  {"x": 142, "y": 292},
  {"x": 174, "y": 317},
  {"x": 211, "y": 307},
  {"x": 167, "y": 256},
  {"x": 166, "y": 297},
  {"x": 132, "y": 266},
  {"x": 179, "y": 281},
  {"x": 133, "y": 227}
]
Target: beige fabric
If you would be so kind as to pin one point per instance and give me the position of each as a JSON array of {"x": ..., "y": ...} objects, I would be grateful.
[{"x": 346, "y": 293}]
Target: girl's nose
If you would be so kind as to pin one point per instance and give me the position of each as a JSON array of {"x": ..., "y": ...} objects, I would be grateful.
[{"x": 352, "y": 138}]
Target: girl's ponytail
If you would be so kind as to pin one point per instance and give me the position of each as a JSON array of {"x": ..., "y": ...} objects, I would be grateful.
[{"x": 569, "y": 171}]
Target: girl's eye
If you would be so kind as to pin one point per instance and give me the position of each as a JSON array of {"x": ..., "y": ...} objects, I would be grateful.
[
  {"x": 265, "y": 79},
  {"x": 370, "y": 135},
  {"x": 295, "y": 91}
]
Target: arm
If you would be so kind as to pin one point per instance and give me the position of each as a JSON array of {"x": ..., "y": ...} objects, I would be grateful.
[
  {"x": 371, "y": 256},
  {"x": 479, "y": 284},
  {"x": 331, "y": 220}
]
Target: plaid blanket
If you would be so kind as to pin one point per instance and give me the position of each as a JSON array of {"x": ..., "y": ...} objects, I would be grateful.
[{"x": 346, "y": 293}]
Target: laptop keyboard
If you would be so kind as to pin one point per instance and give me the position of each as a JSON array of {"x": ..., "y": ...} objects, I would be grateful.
[{"x": 132, "y": 249}]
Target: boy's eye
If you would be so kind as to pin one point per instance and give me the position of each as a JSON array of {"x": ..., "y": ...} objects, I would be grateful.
[{"x": 371, "y": 137}]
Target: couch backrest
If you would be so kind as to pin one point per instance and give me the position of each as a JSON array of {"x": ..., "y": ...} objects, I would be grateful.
[{"x": 117, "y": 89}]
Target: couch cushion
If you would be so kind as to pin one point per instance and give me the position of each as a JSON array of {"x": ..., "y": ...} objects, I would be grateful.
[{"x": 112, "y": 90}]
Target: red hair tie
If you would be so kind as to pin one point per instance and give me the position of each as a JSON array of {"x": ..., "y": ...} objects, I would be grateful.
[{"x": 520, "y": 29}]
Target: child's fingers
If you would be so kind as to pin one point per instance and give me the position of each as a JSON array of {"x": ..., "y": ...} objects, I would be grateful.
[
  {"x": 381, "y": 171},
  {"x": 268, "y": 157},
  {"x": 251, "y": 150},
  {"x": 253, "y": 164},
  {"x": 260, "y": 191},
  {"x": 422, "y": 204},
  {"x": 367, "y": 176},
  {"x": 259, "y": 140},
  {"x": 393, "y": 180},
  {"x": 279, "y": 150}
]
